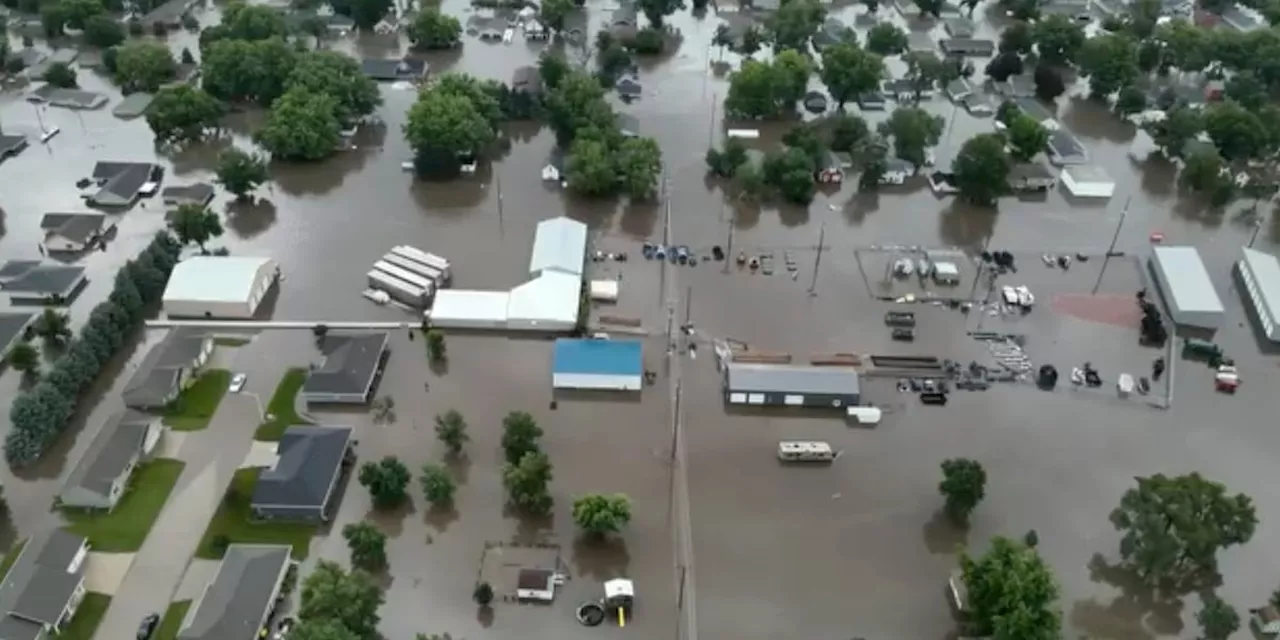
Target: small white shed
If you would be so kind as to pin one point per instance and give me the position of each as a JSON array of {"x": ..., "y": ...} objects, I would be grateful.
[
  {"x": 604, "y": 290},
  {"x": 1088, "y": 181}
]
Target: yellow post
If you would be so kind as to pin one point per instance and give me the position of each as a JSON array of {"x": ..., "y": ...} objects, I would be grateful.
[{"x": 622, "y": 617}]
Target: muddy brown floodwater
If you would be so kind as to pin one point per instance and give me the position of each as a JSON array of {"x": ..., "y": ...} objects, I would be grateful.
[{"x": 856, "y": 549}]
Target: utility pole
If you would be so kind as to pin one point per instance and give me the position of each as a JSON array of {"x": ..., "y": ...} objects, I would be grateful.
[
  {"x": 688, "y": 305},
  {"x": 499, "y": 185},
  {"x": 728, "y": 256},
  {"x": 817, "y": 260},
  {"x": 1257, "y": 226},
  {"x": 711, "y": 126},
  {"x": 1112, "y": 248},
  {"x": 675, "y": 424}
]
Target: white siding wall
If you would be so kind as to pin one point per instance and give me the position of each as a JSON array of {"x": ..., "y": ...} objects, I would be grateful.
[
  {"x": 1268, "y": 323},
  {"x": 595, "y": 381}
]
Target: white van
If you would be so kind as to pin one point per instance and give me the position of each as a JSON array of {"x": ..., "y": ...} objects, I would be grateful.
[{"x": 805, "y": 452}]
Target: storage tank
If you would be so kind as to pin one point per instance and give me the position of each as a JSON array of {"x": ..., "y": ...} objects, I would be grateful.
[
  {"x": 428, "y": 259},
  {"x": 398, "y": 289},
  {"x": 411, "y": 266}
]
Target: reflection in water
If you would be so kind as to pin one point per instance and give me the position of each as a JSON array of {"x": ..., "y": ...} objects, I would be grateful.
[
  {"x": 250, "y": 217},
  {"x": 963, "y": 226},
  {"x": 1141, "y": 610},
  {"x": 600, "y": 558},
  {"x": 942, "y": 536},
  {"x": 197, "y": 157}
]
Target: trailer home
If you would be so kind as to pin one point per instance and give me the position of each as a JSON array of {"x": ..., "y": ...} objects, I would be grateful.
[
  {"x": 428, "y": 259},
  {"x": 399, "y": 290}
]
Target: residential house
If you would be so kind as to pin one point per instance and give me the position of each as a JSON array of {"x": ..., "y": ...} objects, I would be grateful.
[
  {"x": 120, "y": 184},
  {"x": 871, "y": 101},
  {"x": 389, "y": 25},
  {"x": 101, "y": 476},
  {"x": 169, "y": 14},
  {"x": 628, "y": 87},
  {"x": 350, "y": 369},
  {"x": 133, "y": 105},
  {"x": 30, "y": 282},
  {"x": 13, "y": 329},
  {"x": 1028, "y": 176},
  {"x": 960, "y": 89},
  {"x": 623, "y": 22},
  {"x": 169, "y": 368},
  {"x": 960, "y": 27},
  {"x": 393, "y": 70},
  {"x": 766, "y": 5},
  {"x": 628, "y": 125},
  {"x": 303, "y": 485},
  {"x": 968, "y": 47},
  {"x": 1266, "y": 619},
  {"x": 60, "y": 56},
  {"x": 1065, "y": 149},
  {"x": 73, "y": 232},
  {"x": 1241, "y": 19},
  {"x": 527, "y": 80},
  {"x": 29, "y": 56},
  {"x": 240, "y": 600},
  {"x": 76, "y": 99},
  {"x": 833, "y": 31},
  {"x": 534, "y": 30},
  {"x": 897, "y": 171},
  {"x": 339, "y": 25},
  {"x": 199, "y": 193},
  {"x": 832, "y": 169},
  {"x": 920, "y": 42},
  {"x": 487, "y": 28},
  {"x": 1019, "y": 86},
  {"x": 1078, "y": 10},
  {"x": 903, "y": 90},
  {"x": 1032, "y": 107},
  {"x": 44, "y": 587},
  {"x": 11, "y": 144},
  {"x": 978, "y": 105}
]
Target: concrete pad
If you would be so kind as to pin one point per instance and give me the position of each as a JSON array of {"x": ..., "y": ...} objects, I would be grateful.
[
  {"x": 170, "y": 444},
  {"x": 198, "y": 576},
  {"x": 261, "y": 454},
  {"x": 103, "y": 572}
]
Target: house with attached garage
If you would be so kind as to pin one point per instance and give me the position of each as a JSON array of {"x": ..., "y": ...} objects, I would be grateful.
[
  {"x": 199, "y": 194},
  {"x": 167, "y": 369},
  {"x": 243, "y": 595},
  {"x": 392, "y": 70},
  {"x": 1065, "y": 150},
  {"x": 1030, "y": 177},
  {"x": 101, "y": 477},
  {"x": 73, "y": 232},
  {"x": 350, "y": 369},
  {"x": 44, "y": 587},
  {"x": 120, "y": 184},
  {"x": 311, "y": 461}
]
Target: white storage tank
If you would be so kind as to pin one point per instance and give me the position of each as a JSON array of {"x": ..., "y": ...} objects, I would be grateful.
[
  {"x": 428, "y": 259},
  {"x": 398, "y": 289}
]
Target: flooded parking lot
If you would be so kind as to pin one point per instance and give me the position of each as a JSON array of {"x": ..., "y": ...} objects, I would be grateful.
[{"x": 856, "y": 549}]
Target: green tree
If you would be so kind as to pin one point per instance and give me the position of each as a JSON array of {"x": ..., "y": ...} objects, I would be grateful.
[
  {"x": 53, "y": 326},
  {"x": 349, "y": 600},
  {"x": 1205, "y": 172},
  {"x": 886, "y": 39},
  {"x": 725, "y": 163},
  {"x": 1058, "y": 39},
  {"x": 53, "y": 19},
  {"x": 924, "y": 71},
  {"x": 436, "y": 350},
  {"x": 302, "y": 126},
  {"x": 552, "y": 69},
  {"x": 1130, "y": 100},
  {"x": 873, "y": 171},
  {"x": 240, "y": 172},
  {"x": 1049, "y": 83},
  {"x": 753, "y": 40},
  {"x": 447, "y": 124},
  {"x": 1017, "y": 38},
  {"x": 365, "y": 13},
  {"x": 599, "y": 514},
  {"x": 103, "y": 31},
  {"x": 553, "y": 13},
  {"x": 1173, "y": 527},
  {"x": 1011, "y": 593},
  {"x": 1027, "y": 137},
  {"x": 1185, "y": 45},
  {"x": 253, "y": 22},
  {"x": 368, "y": 545},
  {"x": 526, "y": 482},
  {"x": 1005, "y": 64},
  {"x": 37, "y": 418},
  {"x": 1247, "y": 90},
  {"x": 387, "y": 481},
  {"x": 590, "y": 167},
  {"x": 520, "y": 435},
  {"x": 183, "y": 114},
  {"x": 914, "y": 131},
  {"x": 873, "y": 6},
  {"x": 656, "y": 11},
  {"x": 791, "y": 172},
  {"x": 964, "y": 481},
  {"x": 78, "y": 12},
  {"x": 1171, "y": 134},
  {"x": 432, "y": 30},
  {"x": 438, "y": 486},
  {"x": 60, "y": 74},
  {"x": 753, "y": 94},
  {"x": 849, "y": 72},
  {"x": 723, "y": 38},
  {"x": 848, "y": 133},
  {"x": 337, "y": 75},
  {"x": 1142, "y": 18},
  {"x": 639, "y": 163},
  {"x": 482, "y": 594},
  {"x": 1217, "y": 619},
  {"x": 1111, "y": 62},
  {"x": 794, "y": 23},
  {"x": 144, "y": 66},
  {"x": 931, "y": 7},
  {"x": 451, "y": 430},
  {"x": 25, "y": 358},
  {"x": 247, "y": 71},
  {"x": 195, "y": 224},
  {"x": 1234, "y": 131},
  {"x": 321, "y": 630}
]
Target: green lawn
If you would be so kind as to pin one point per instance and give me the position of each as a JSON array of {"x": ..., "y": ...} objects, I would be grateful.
[
  {"x": 11, "y": 557},
  {"x": 281, "y": 408},
  {"x": 171, "y": 623},
  {"x": 125, "y": 527},
  {"x": 232, "y": 524},
  {"x": 87, "y": 618},
  {"x": 197, "y": 404}
]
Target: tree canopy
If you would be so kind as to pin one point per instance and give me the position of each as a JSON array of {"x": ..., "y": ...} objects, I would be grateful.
[
  {"x": 599, "y": 514},
  {"x": 367, "y": 544},
  {"x": 195, "y": 224},
  {"x": 964, "y": 481},
  {"x": 387, "y": 481},
  {"x": 433, "y": 30},
  {"x": 183, "y": 114},
  {"x": 240, "y": 172},
  {"x": 1017, "y": 38},
  {"x": 1026, "y": 136},
  {"x": 527, "y": 482},
  {"x": 1011, "y": 593},
  {"x": 1058, "y": 39},
  {"x": 247, "y": 71},
  {"x": 144, "y": 66},
  {"x": 1171, "y": 134},
  {"x": 914, "y": 131},
  {"x": 449, "y": 121},
  {"x": 1236, "y": 132},
  {"x": 301, "y": 126},
  {"x": 767, "y": 90},
  {"x": 338, "y": 601},
  {"x": 339, "y": 76},
  {"x": 886, "y": 39},
  {"x": 657, "y": 10},
  {"x": 794, "y": 23},
  {"x": 1110, "y": 61},
  {"x": 849, "y": 71},
  {"x": 520, "y": 435},
  {"x": 365, "y": 13}
]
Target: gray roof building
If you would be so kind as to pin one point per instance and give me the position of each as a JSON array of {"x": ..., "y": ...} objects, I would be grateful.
[
  {"x": 41, "y": 590},
  {"x": 66, "y": 98},
  {"x": 1065, "y": 150},
  {"x": 31, "y": 282},
  {"x": 968, "y": 47},
  {"x": 628, "y": 125},
  {"x": 301, "y": 484},
  {"x": 393, "y": 70},
  {"x": 161, "y": 374},
  {"x": 790, "y": 385},
  {"x": 959, "y": 27},
  {"x": 120, "y": 183},
  {"x": 14, "y": 269},
  {"x": 527, "y": 80},
  {"x": 1187, "y": 289},
  {"x": 351, "y": 366},
  {"x": 1035, "y": 109},
  {"x": 12, "y": 327},
  {"x": 238, "y": 601},
  {"x": 99, "y": 478},
  {"x": 200, "y": 193},
  {"x": 72, "y": 231},
  {"x": 11, "y": 144},
  {"x": 133, "y": 105},
  {"x": 169, "y": 14}
]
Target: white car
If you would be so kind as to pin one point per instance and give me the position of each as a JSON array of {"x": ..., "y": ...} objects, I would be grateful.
[
  {"x": 1025, "y": 298},
  {"x": 237, "y": 383},
  {"x": 1009, "y": 294}
]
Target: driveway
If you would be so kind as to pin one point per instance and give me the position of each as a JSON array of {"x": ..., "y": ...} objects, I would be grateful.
[{"x": 103, "y": 572}]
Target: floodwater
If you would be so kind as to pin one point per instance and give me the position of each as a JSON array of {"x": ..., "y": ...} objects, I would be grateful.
[{"x": 852, "y": 550}]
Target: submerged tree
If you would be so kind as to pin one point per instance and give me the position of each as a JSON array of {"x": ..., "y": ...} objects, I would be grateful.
[{"x": 963, "y": 485}]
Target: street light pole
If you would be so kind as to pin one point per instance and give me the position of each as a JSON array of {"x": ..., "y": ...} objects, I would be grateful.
[{"x": 1112, "y": 248}]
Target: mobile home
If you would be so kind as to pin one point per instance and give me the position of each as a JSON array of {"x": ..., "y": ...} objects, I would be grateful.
[
  {"x": 428, "y": 259},
  {"x": 797, "y": 451},
  {"x": 398, "y": 289}
]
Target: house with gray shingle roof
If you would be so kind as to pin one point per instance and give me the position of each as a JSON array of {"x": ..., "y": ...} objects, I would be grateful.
[
  {"x": 121, "y": 183},
  {"x": 168, "y": 369},
  {"x": 199, "y": 193},
  {"x": 350, "y": 370},
  {"x": 101, "y": 476},
  {"x": 302, "y": 486},
  {"x": 32, "y": 282},
  {"x": 73, "y": 232},
  {"x": 43, "y": 589},
  {"x": 240, "y": 599}
]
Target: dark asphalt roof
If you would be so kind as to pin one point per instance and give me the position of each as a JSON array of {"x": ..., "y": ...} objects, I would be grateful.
[
  {"x": 310, "y": 458},
  {"x": 1029, "y": 171},
  {"x": 1065, "y": 145},
  {"x": 73, "y": 226},
  {"x": 47, "y": 279},
  {"x": 392, "y": 69},
  {"x": 350, "y": 364},
  {"x": 11, "y": 326},
  {"x": 39, "y": 584},
  {"x": 14, "y": 268},
  {"x": 234, "y": 604},
  {"x": 109, "y": 454},
  {"x": 159, "y": 372},
  {"x": 777, "y": 378},
  {"x": 11, "y": 143},
  {"x": 168, "y": 12},
  {"x": 121, "y": 180}
]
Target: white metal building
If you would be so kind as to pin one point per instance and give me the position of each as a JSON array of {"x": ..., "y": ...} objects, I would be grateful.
[
  {"x": 1260, "y": 273},
  {"x": 465, "y": 309},
  {"x": 1188, "y": 291},
  {"x": 219, "y": 286},
  {"x": 1088, "y": 181},
  {"x": 546, "y": 303},
  {"x": 560, "y": 244}
]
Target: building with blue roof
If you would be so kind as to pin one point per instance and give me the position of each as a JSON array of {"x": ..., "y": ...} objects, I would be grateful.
[{"x": 615, "y": 365}]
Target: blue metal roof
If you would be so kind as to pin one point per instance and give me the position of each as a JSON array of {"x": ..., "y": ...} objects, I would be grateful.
[{"x": 604, "y": 357}]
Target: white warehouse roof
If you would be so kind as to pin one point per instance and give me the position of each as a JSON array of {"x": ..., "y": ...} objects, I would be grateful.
[
  {"x": 548, "y": 302},
  {"x": 560, "y": 244},
  {"x": 462, "y": 308},
  {"x": 1261, "y": 273},
  {"x": 216, "y": 278},
  {"x": 1187, "y": 283}
]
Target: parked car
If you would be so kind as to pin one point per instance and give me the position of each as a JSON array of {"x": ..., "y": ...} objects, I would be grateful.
[
  {"x": 148, "y": 626},
  {"x": 237, "y": 382},
  {"x": 904, "y": 334},
  {"x": 900, "y": 319},
  {"x": 1025, "y": 297}
]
